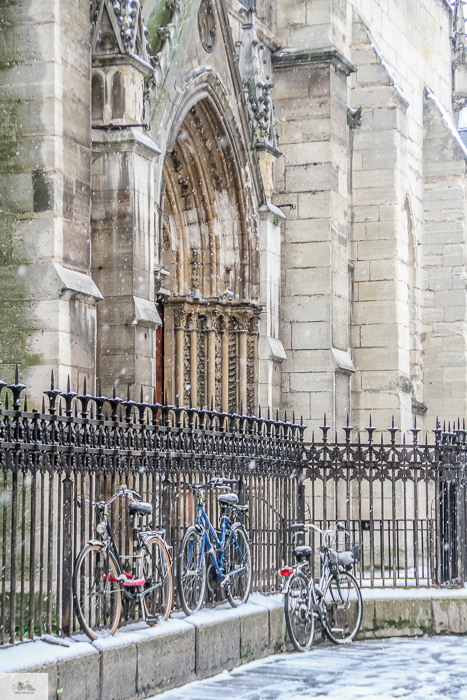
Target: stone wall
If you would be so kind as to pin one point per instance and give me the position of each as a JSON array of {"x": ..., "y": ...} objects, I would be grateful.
[
  {"x": 374, "y": 187},
  {"x": 48, "y": 313}
]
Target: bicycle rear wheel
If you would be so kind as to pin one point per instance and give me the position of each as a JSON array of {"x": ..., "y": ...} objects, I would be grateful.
[
  {"x": 158, "y": 588},
  {"x": 237, "y": 563},
  {"x": 299, "y": 618},
  {"x": 191, "y": 571},
  {"x": 97, "y": 595},
  {"x": 344, "y": 608}
]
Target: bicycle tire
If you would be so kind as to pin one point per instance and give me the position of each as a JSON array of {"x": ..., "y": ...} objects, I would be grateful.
[
  {"x": 158, "y": 588},
  {"x": 191, "y": 583},
  {"x": 97, "y": 600},
  {"x": 299, "y": 619},
  {"x": 343, "y": 608},
  {"x": 238, "y": 588}
]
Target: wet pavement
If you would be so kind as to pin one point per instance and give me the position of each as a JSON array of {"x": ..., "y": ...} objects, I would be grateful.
[{"x": 416, "y": 669}]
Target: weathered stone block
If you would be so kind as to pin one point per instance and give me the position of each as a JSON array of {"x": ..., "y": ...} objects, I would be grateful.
[
  {"x": 254, "y": 636},
  {"x": 310, "y": 152},
  {"x": 403, "y": 618},
  {"x": 306, "y": 255},
  {"x": 306, "y": 230},
  {"x": 118, "y": 672},
  {"x": 218, "y": 647},
  {"x": 165, "y": 661},
  {"x": 312, "y": 381},
  {"x": 277, "y": 631},
  {"x": 368, "y": 620},
  {"x": 314, "y": 336},
  {"x": 80, "y": 676},
  {"x": 311, "y": 281},
  {"x": 51, "y": 670}
]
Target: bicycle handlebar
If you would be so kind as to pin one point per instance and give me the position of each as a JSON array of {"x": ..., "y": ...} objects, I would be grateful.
[
  {"x": 301, "y": 527},
  {"x": 122, "y": 491},
  {"x": 217, "y": 481}
]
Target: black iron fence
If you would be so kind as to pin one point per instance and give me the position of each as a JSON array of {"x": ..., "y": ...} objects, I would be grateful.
[
  {"x": 405, "y": 502},
  {"x": 87, "y": 445}
]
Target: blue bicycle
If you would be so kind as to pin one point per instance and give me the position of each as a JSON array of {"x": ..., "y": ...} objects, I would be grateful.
[{"x": 230, "y": 562}]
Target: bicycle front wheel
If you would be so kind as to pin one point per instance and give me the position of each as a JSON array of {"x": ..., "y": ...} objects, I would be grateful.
[
  {"x": 158, "y": 588},
  {"x": 238, "y": 566},
  {"x": 191, "y": 571},
  {"x": 343, "y": 608},
  {"x": 97, "y": 595},
  {"x": 299, "y": 618}
]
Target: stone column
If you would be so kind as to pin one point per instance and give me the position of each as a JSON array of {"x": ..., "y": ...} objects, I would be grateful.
[
  {"x": 225, "y": 367},
  {"x": 313, "y": 192},
  {"x": 123, "y": 256},
  {"x": 211, "y": 361},
  {"x": 444, "y": 254},
  {"x": 242, "y": 366},
  {"x": 271, "y": 350},
  {"x": 179, "y": 365},
  {"x": 194, "y": 363}
]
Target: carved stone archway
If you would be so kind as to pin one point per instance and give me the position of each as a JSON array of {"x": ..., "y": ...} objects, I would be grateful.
[{"x": 209, "y": 245}]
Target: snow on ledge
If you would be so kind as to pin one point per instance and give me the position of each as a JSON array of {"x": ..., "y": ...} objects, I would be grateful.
[
  {"x": 447, "y": 120},
  {"x": 30, "y": 655},
  {"x": 412, "y": 593},
  {"x": 36, "y": 653}
]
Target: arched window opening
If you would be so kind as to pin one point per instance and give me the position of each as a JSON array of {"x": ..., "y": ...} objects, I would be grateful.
[
  {"x": 97, "y": 97},
  {"x": 118, "y": 97}
]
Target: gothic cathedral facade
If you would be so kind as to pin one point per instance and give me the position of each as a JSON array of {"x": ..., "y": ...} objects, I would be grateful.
[{"x": 238, "y": 203}]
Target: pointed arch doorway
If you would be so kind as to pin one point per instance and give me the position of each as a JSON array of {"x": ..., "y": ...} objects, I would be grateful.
[{"x": 208, "y": 243}]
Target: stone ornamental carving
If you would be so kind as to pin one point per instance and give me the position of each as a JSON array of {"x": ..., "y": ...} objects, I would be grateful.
[
  {"x": 118, "y": 28},
  {"x": 257, "y": 84},
  {"x": 207, "y": 25},
  {"x": 217, "y": 351}
]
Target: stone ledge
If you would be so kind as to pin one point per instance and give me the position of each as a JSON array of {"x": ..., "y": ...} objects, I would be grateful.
[
  {"x": 139, "y": 662},
  {"x": 328, "y": 54}
]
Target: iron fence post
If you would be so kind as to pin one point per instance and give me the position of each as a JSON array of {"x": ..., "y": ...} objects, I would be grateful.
[
  {"x": 166, "y": 506},
  {"x": 301, "y": 504},
  {"x": 67, "y": 553}
]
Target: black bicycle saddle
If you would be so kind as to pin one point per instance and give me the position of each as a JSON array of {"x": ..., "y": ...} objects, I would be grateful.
[
  {"x": 302, "y": 552},
  {"x": 140, "y": 508},
  {"x": 228, "y": 499}
]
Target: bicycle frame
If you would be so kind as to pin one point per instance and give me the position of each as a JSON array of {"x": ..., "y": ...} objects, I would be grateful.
[
  {"x": 205, "y": 525},
  {"x": 139, "y": 544}
]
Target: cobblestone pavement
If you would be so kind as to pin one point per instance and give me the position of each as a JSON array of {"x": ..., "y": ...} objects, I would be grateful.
[{"x": 416, "y": 669}]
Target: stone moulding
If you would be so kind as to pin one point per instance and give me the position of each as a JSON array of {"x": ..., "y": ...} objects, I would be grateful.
[
  {"x": 329, "y": 54},
  {"x": 75, "y": 282},
  {"x": 276, "y": 348},
  {"x": 129, "y": 138},
  {"x": 342, "y": 361},
  {"x": 146, "y": 313}
]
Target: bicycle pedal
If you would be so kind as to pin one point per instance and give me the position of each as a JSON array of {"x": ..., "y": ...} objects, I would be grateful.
[{"x": 153, "y": 619}]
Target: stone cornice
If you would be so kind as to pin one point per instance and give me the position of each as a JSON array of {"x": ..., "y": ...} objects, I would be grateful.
[{"x": 287, "y": 57}]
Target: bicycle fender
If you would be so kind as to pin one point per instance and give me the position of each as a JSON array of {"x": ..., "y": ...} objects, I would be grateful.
[
  {"x": 199, "y": 528},
  {"x": 95, "y": 542}
]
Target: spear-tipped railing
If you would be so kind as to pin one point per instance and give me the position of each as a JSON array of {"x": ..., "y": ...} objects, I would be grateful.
[{"x": 81, "y": 444}]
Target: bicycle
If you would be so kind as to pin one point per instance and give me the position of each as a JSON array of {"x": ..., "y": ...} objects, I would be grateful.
[
  {"x": 229, "y": 550},
  {"x": 336, "y": 601},
  {"x": 100, "y": 582}
]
